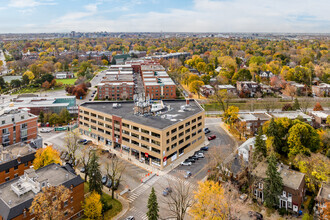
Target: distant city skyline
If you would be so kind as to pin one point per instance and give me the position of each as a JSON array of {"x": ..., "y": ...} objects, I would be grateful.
[{"x": 290, "y": 16}]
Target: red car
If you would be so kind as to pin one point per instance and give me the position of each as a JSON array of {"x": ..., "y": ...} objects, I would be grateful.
[{"x": 211, "y": 137}]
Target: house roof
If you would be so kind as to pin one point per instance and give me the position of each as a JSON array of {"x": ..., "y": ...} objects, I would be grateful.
[{"x": 291, "y": 178}]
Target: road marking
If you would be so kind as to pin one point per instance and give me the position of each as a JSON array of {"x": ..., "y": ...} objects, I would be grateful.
[{"x": 54, "y": 136}]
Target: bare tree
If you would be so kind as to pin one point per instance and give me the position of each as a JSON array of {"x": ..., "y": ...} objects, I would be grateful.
[
  {"x": 305, "y": 103},
  {"x": 87, "y": 152},
  {"x": 115, "y": 168},
  {"x": 290, "y": 91},
  {"x": 269, "y": 104},
  {"x": 221, "y": 97},
  {"x": 72, "y": 144},
  {"x": 180, "y": 200}
]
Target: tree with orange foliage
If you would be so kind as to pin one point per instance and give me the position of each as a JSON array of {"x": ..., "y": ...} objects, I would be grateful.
[
  {"x": 49, "y": 204},
  {"x": 318, "y": 107},
  {"x": 46, "y": 156},
  {"x": 325, "y": 211},
  {"x": 46, "y": 85}
]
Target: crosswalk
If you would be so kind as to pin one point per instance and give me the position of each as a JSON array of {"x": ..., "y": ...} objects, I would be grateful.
[
  {"x": 138, "y": 215},
  {"x": 137, "y": 192}
]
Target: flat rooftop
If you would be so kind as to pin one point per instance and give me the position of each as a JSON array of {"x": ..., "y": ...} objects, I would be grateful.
[
  {"x": 169, "y": 115},
  {"x": 118, "y": 78},
  {"x": 12, "y": 205},
  {"x": 14, "y": 151}
]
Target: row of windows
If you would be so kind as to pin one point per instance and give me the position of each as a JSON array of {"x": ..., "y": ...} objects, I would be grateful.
[
  {"x": 142, "y": 145},
  {"x": 182, "y": 140},
  {"x": 186, "y": 124}
]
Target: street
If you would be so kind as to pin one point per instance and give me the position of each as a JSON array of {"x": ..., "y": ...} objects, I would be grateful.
[{"x": 138, "y": 198}]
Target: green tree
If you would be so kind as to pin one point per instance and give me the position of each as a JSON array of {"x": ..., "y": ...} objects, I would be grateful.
[
  {"x": 242, "y": 75},
  {"x": 260, "y": 149},
  {"x": 41, "y": 117},
  {"x": 95, "y": 176},
  {"x": 302, "y": 138},
  {"x": 273, "y": 183},
  {"x": 65, "y": 116},
  {"x": 15, "y": 83},
  {"x": 25, "y": 80},
  {"x": 296, "y": 105},
  {"x": 153, "y": 207},
  {"x": 195, "y": 86},
  {"x": 2, "y": 83},
  {"x": 54, "y": 119}
]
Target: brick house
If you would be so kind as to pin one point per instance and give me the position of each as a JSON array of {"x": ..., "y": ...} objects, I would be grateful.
[
  {"x": 207, "y": 90},
  {"x": 293, "y": 191},
  {"x": 17, "y": 195},
  {"x": 17, "y": 125},
  {"x": 320, "y": 118},
  {"x": 323, "y": 196},
  {"x": 249, "y": 88},
  {"x": 321, "y": 90},
  {"x": 253, "y": 121}
]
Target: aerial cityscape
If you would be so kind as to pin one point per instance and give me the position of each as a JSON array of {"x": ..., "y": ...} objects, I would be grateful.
[{"x": 169, "y": 110}]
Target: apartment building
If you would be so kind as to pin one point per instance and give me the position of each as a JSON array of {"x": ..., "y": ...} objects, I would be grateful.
[
  {"x": 118, "y": 84},
  {"x": 17, "y": 125},
  {"x": 293, "y": 191},
  {"x": 155, "y": 132},
  {"x": 253, "y": 121},
  {"x": 17, "y": 195},
  {"x": 16, "y": 158},
  {"x": 157, "y": 83}
]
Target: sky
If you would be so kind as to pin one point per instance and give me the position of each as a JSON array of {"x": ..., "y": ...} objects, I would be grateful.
[{"x": 294, "y": 16}]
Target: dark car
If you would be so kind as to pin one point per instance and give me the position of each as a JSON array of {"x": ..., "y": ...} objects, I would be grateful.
[
  {"x": 105, "y": 151},
  {"x": 211, "y": 137},
  {"x": 83, "y": 170},
  {"x": 204, "y": 148},
  {"x": 206, "y": 130},
  {"x": 80, "y": 141},
  {"x": 87, "y": 142},
  {"x": 130, "y": 218},
  {"x": 167, "y": 191},
  {"x": 190, "y": 160},
  {"x": 104, "y": 180},
  {"x": 108, "y": 183},
  {"x": 193, "y": 157},
  {"x": 259, "y": 216}
]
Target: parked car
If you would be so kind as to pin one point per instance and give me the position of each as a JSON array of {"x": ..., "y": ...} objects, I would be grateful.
[
  {"x": 190, "y": 160},
  {"x": 193, "y": 157},
  {"x": 109, "y": 183},
  {"x": 130, "y": 218},
  {"x": 87, "y": 142},
  {"x": 186, "y": 163},
  {"x": 199, "y": 155},
  {"x": 167, "y": 191},
  {"x": 211, "y": 137},
  {"x": 104, "y": 179},
  {"x": 83, "y": 170},
  {"x": 204, "y": 148},
  {"x": 187, "y": 175},
  {"x": 105, "y": 151},
  {"x": 110, "y": 155},
  {"x": 80, "y": 141},
  {"x": 206, "y": 130}
]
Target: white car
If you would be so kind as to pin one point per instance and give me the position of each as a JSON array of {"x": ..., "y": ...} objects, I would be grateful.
[
  {"x": 45, "y": 130},
  {"x": 199, "y": 155},
  {"x": 186, "y": 163}
]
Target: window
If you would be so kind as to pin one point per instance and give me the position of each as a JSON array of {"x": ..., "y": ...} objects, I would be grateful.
[
  {"x": 125, "y": 132},
  {"x": 167, "y": 141},
  {"x": 155, "y": 142},
  {"x": 289, "y": 195},
  {"x": 93, "y": 121},
  {"x": 173, "y": 145},
  {"x": 167, "y": 149},
  {"x": 199, "y": 131},
  {"x": 93, "y": 115},
  {"x": 135, "y": 128},
  {"x": 193, "y": 121},
  {"x": 180, "y": 127},
  {"x": 193, "y": 127},
  {"x": 15, "y": 167},
  {"x": 155, "y": 150},
  {"x": 125, "y": 125},
  {"x": 144, "y": 131},
  {"x": 3, "y": 122},
  {"x": 180, "y": 134},
  {"x": 181, "y": 141},
  {"x": 260, "y": 185},
  {"x": 7, "y": 171},
  {"x": 66, "y": 213},
  {"x": 134, "y": 135},
  {"x": 174, "y": 138},
  {"x": 71, "y": 199},
  {"x": 65, "y": 204},
  {"x": 7, "y": 179},
  {"x": 125, "y": 139},
  {"x": 167, "y": 133},
  {"x": 199, "y": 124},
  {"x": 289, "y": 204},
  {"x": 155, "y": 134},
  {"x": 108, "y": 119},
  {"x": 173, "y": 131},
  {"x": 188, "y": 123},
  {"x": 100, "y": 123},
  {"x": 188, "y": 137},
  {"x": 188, "y": 130},
  {"x": 145, "y": 138},
  {"x": 135, "y": 142},
  {"x": 284, "y": 194},
  {"x": 101, "y": 117},
  {"x": 199, "y": 118},
  {"x": 193, "y": 134}
]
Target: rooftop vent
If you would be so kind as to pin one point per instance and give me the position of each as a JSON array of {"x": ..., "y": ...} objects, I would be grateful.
[{"x": 116, "y": 105}]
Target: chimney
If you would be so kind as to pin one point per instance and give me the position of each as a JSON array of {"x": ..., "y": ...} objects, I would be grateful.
[{"x": 187, "y": 101}]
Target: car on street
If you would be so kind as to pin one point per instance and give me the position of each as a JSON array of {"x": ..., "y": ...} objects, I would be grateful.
[
  {"x": 80, "y": 141},
  {"x": 83, "y": 170},
  {"x": 87, "y": 142},
  {"x": 45, "y": 130},
  {"x": 190, "y": 160},
  {"x": 104, "y": 179},
  {"x": 204, "y": 148},
  {"x": 186, "y": 163},
  {"x": 90, "y": 99},
  {"x": 187, "y": 175},
  {"x": 211, "y": 137},
  {"x": 167, "y": 191},
  {"x": 130, "y": 218},
  {"x": 206, "y": 130},
  {"x": 193, "y": 157}
]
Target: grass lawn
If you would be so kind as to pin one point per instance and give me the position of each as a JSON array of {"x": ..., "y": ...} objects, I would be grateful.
[
  {"x": 66, "y": 81},
  {"x": 116, "y": 205}
]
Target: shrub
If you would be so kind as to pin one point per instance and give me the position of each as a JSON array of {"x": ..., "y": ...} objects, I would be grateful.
[{"x": 282, "y": 211}]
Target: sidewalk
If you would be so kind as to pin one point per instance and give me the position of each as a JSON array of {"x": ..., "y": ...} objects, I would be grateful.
[{"x": 124, "y": 203}]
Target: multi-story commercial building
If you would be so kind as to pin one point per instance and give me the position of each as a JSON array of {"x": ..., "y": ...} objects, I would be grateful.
[
  {"x": 17, "y": 125},
  {"x": 156, "y": 132},
  {"x": 16, "y": 158},
  {"x": 17, "y": 195},
  {"x": 293, "y": 191},
  {"x": 45, "y": 104}
]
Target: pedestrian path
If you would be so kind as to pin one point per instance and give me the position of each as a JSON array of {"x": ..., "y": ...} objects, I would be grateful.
[
  {"x": 137, "y": 192},
  {"x": 138, "y": 215}
]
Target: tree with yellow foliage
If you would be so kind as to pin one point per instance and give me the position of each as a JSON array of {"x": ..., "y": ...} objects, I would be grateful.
[
  {"x": 231, "y": 115},
  {"x": 93, "y": 206},
  {"x": 49, "y": 204},
  {"x": 210, "y": 202},
  {"x": 46, "y": 156},
  {"x": 29, "y": 74}
]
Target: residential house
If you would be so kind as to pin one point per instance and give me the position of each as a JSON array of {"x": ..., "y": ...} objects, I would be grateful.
[
  {"x": 320, "y": 118},
  {"x": 248, "y": 88},
  {"x": 253, "y": 121},
  {"x": 321, "y": 90},
  {"x": 266, "y": 75},
  {"x": 323, "y": 196},
  {"x": 64, "y": 75},
  {"x": 293, "y": 191},
  {"x": 245, "y": 149},
  {"x": 300, "y": 88},
  {"x": 293, "y": 115},
  {"x": 207, "y": 90},
  {"x": 229, "y": 88}
]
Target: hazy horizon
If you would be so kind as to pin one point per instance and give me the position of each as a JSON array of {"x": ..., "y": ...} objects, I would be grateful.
[{"x": 194, "y": 16}]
